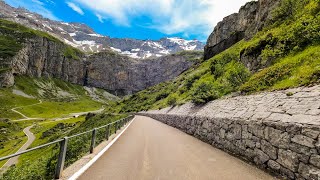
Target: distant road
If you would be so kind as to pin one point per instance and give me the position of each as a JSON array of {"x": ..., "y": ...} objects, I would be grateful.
[
  {"x": 30, "y": 140},
  {"x": 24, "y": 116},
  {"x": 151, "y": 150}
]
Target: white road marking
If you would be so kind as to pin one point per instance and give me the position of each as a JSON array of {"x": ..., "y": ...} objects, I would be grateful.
[{"x": 92, "y": 161}]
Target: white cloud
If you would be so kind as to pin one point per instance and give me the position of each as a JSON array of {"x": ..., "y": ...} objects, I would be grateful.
[
  {"x": 38, "y": 2},
  {"x": 100, "y": 18},
  {"x": 37, "y": 6},
  {"x": 74, "y": 7},
  {"x": 167, "y": 16}
]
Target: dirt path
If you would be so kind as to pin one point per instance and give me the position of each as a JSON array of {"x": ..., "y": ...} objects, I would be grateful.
[
  {"x": 152, "y": 150},
  {"x": 25, "y": 146},
  {"x": 31, "y": 136},
  {"x": 24, "y": 116}
]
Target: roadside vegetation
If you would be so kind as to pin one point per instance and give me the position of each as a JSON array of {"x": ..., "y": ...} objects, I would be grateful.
[
  {"x": 58, "y": 100},
  {"x": 41, "y": 164},
  {"x": 288, "y": 47}
]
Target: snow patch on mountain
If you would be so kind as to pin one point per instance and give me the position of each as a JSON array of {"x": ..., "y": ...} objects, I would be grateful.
[{"x": 86, "y": 39}]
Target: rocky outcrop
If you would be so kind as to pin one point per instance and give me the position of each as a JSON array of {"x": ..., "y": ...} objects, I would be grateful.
[
  {"x": 251, "y": 18},
  {"x": 119, "y": 74},
  {"x": 123, "y": 75},
  {"x": 277, "y": 131},
  {"x": 41, "y": 57}
]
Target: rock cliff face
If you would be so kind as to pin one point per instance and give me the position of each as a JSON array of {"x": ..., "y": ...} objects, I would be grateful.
[
  {"x": 123, "y": 75},
  {"x": 120, "y": 74},
  {"x": 251, "y": 18},
  {"x": 41, "y": 57}
]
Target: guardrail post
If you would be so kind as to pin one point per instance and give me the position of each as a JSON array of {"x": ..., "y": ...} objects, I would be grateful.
[
  {"x": 107, "y": 132},
  {"x": 62, "y": 157},
  {"x": 117, "y": 126},
  {"x": 93, "y": 140}
]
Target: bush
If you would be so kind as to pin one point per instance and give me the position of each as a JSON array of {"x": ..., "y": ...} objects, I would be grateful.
[
  {"x": 204, "y": 92},
  {"x": 237, "y": 74},
  {"x": 172, "y": 100},
  {"x": 191, "y": 80},
  {"x": 162, "y": 95}
]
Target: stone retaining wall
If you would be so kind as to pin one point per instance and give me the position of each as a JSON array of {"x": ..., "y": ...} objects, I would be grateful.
[{"x": 289, "y": 147}]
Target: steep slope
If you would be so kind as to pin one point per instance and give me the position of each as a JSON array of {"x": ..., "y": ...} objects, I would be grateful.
[
  {"x": 285, "y": 54},
  {"x": 84, "y": 38},
  {"x": 250, "y": 19}
]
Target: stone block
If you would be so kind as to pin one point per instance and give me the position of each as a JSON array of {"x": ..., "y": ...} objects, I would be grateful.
[
  {"x": 260, "y": 156},
  {"x": 274, "y": 165},
  {"x": 303, "y": 140},
  {"x": 288, "y": 159},
  {"x": 277, "y": 137},
  {"x": 315, "y": 160},
  {"x": 309, "y": 172},
  {"x": 270, "y": 150},
  {"x": 310, "y": 132},
  {"x": 287, "y": 172},
  {"x": 256, "y": 129}
]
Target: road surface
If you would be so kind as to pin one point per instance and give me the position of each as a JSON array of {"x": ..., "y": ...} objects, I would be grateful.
[
  {"x": 25, "y": 146},
  {"x": 151, "y": 150}
]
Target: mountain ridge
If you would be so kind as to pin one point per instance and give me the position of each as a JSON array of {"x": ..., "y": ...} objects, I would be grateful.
[{"x": 83, "y": 37}]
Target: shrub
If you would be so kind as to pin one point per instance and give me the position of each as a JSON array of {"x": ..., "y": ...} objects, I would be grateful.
[
  {"x": 236, "y": 74},
  {"x": 191, "y": 80},
  {"x": 204, "y": 92},
  {"x": 8, "y": 46},
  {"x": 172, "y": 100},
  {"x": 162, "y": 95},
  {"x": 72, "y": 53}
]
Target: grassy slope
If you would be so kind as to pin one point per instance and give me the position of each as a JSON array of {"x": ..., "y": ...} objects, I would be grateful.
[
  {"x": 40, "y": 164},
  {"x": 54, "y": 105},
  {"x": 290, "y": 44},
  {"x": 59, "y": 98}
]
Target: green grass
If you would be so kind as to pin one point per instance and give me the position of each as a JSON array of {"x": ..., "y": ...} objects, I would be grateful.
[
  {"x": 40, "y": 164},
  {"x": 72, "y": 53},
  {"x": 52, "y": 92},
  {"x": 9, "y": 100},
  {"x": 299, "y": 69},
  {"x": 49, "y": 109},
  {"x": 13, "y": 35},
  {"x": 11, "y": 137},
  {"x": 8, "y": 46},
  {"x": 288, "y": 49},
  {"x": 187, "y": 86}
]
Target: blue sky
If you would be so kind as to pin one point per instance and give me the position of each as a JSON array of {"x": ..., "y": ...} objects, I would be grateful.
[{"x": 139, "y": 19}]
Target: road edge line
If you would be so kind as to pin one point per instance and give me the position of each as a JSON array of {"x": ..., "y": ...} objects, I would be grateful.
[{"x": 94, "y": 159}]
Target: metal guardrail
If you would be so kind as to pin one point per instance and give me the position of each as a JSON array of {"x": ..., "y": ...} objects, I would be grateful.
[{"x": 64, "y": 143}]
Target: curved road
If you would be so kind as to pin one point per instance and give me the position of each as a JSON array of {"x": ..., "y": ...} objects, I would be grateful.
[
  {"x": 31, "y": 136},
  {"x": 25, "y": 146},
  {"x": 149, "y": 149}
]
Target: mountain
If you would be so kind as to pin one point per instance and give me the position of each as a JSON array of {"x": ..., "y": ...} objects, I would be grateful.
[
  {"x": 29, "y": 52},
  {"x": 269, "y": 45},
  {"x": 86, "y": 39}
]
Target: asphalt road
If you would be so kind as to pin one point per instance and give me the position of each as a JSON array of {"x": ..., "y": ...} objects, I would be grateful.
[{"x": 151, "y": 150}]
